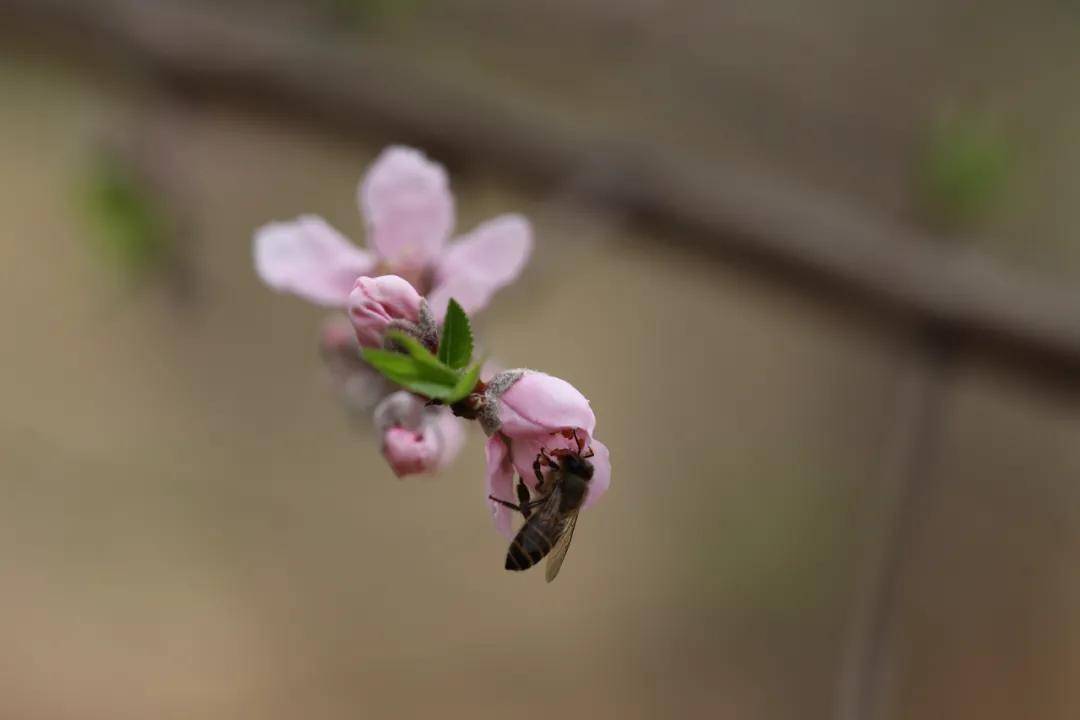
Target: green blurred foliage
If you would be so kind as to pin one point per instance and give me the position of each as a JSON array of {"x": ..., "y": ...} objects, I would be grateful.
[
  {"x": 963, "y": 168},
  {"x": 362, "y": 14},
  {"x": 128, "y": 222}
]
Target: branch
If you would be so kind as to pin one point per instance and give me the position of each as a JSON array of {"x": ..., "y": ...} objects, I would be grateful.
[
  {"x": 822, "y": 242},
  {"x": 890, "y": 519}
]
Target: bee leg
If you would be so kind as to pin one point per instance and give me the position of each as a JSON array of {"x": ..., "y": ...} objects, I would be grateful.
[
  {"x": 547, "y": 459},
  {"x": 524, "y": 508},
  {"x": 539, "y": 473},
  {"x": 580, "y": 446},
  {"x": 524, "y": 499},
  {"x": 506, "y": 503}
]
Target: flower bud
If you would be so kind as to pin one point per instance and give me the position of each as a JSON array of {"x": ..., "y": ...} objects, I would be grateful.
[
  {"x": 526, "y": 402},
  {"x": 410, "y": 452},
  {"x": 375, "y": 303},
  {"x": 416, "y": 438}
]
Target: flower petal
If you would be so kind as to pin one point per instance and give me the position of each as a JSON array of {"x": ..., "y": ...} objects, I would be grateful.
[
  {"x": 406, "y": 201},
  {"x": 309, "y": 258},
  {"x": 451, "y": 433},
  {"x": 500, "y": 483},
  {"x": 542, "y": 403},
  {"x": 601, "y": 479},
  {"x": 478, "y": 264}
]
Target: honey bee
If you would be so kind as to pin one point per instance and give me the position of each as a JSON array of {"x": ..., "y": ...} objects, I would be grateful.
[{"x": 550, "y": 519}]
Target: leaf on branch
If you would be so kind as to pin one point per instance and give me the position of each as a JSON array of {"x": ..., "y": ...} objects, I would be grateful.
[
  {"x": 456, "y": 346},
  {"x": 416, "y": 350},
  {"x": 389, "y": 363},
  {"x": 411, "y": 374},
  {"x": 418, "y": 370},
  {"x": 465, "y": 384}
]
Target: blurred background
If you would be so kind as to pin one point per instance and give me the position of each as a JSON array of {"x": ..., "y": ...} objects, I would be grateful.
[{"x": 813, "y": 267}]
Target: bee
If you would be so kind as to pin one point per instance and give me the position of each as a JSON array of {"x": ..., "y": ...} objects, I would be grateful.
[{"x": 550, "y": 519}]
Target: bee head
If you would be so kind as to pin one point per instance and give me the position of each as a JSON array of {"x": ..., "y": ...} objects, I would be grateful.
[{"x": 575, "y": 464}]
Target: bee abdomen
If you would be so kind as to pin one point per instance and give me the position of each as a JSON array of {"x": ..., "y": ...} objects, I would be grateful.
[{"x": 527, "y": 548}]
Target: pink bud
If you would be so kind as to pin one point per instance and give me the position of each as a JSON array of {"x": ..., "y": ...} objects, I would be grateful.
[
  {"x": 542, "y": 403},
  {"x": 416, "y": 438},
  {"x": 376, "y": 302},
  {"x": 410, "y": 452}
]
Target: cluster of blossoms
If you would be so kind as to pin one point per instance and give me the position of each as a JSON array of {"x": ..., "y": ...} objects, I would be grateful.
[{"x": 396, "y": 296}]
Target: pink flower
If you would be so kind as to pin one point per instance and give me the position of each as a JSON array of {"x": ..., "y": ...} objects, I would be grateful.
[
  {"x": 375, "y": 303},
  {"x": 410, "y": 214},
  {"x": 533, "y": 411},
  {"x": 416, "y": 438}
]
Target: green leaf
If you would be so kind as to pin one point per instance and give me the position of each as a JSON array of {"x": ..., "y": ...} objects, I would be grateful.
[
  {"x": 423, "y": 356},
  {"x": 418, "y": 370},
  {"x": 963, "y": 170},
  {"x": 410, "y": 374},
  {"x": 372, "y": 14},
  {"x": 465, "y": 384},
  {"x": 433, "y": 390},
  {"x": 128, "y": 219},
  {"x": 456, "y": 346},
  {"x": 391, "y": 364}
]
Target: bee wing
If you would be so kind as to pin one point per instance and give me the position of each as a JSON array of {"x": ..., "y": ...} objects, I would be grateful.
[
  {"x": 558, "y": 553},
  {"x": 546, "y": 515}
]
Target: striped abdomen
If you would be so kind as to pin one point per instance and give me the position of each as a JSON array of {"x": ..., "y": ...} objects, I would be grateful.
[{"x": 535, "y": 540}]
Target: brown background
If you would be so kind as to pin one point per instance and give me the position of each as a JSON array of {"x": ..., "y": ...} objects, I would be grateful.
[{"x": 191, "y": 527}]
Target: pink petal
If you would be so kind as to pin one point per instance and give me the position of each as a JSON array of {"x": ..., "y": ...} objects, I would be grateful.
[
  {"x": 475, "y": 266},
  {"x": 500, "y": 482},
  {"x": 542, "y": 403},
  {"x": 451, "y": 433},
  {"x": 408, "y": 206},
  {"x": 523, "y": 452},
  {"x": 309, "y": 258},
  {"x": 601, "y": 479}
]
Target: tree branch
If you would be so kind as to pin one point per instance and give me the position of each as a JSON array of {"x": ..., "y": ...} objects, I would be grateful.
[{"x": 821, "y": 242}]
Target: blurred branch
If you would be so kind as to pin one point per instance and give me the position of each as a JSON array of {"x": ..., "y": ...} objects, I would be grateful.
[
  {"x": 799, "y": 234},
  {"x": 897, "y": 501}
]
